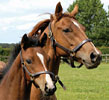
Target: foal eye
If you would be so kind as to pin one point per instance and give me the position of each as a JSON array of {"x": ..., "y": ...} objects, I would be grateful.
[
  {"x": 28, "y": 61},
  {"x": 66, "y": 30}
]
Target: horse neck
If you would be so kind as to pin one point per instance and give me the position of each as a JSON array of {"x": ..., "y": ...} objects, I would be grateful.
[
  {"x": 54, "y": 57},
  {"x": 14, "y": 85}
]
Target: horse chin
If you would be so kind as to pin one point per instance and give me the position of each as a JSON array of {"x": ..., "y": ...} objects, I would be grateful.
[
  {"x": 47, "y": 94},
  {"x": 91, "y": 65}
]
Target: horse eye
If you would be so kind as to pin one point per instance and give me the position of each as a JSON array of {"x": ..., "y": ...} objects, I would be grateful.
[
  {"x": 66, "y": 30},
  {"x": 28, "y": 61}
]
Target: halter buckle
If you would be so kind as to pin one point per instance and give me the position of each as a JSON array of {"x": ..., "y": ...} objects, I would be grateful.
[
  {"x": 49, "y": 34},
  {"x": 72, "y": 54},
  {"x": 32, "y": 78}
]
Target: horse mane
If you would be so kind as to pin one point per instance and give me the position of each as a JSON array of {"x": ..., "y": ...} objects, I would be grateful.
[{"x": 39, "y": 27}]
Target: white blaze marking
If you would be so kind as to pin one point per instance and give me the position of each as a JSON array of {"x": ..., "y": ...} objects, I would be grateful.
[
  {"x": 95, "y": 48},
  {"x": 41, "y": 59},
  {"x": 76, "y": 24},
  {"x": 48, "y": 78}
]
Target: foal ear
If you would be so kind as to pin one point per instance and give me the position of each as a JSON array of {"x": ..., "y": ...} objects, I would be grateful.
[
  {"x": 24, "y": 41},
  {"x": 43, "y": 40},
  {"x": 58, "y": 11},
  {"x": 74, "y": 11}
]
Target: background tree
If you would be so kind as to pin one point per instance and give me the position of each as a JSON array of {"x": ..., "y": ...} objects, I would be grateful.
[{"x": 95, "y": 19}]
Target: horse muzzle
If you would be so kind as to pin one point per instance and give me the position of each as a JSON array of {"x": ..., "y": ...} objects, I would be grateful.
[
  {"x": 95, "y": 60},
  {"x": 49, "y": 91}
]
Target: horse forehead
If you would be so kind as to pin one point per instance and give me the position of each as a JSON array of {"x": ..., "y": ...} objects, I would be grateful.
[
  {"x": 67, "y": 21},
  {"x": 75, "y": 23}
]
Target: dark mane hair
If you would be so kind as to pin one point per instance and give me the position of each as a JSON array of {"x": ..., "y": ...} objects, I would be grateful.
[
  {"x": 40, "y": 26},
  {"x": 32, "y": 42}
]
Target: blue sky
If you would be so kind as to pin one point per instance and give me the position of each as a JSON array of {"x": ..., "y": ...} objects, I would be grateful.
[{"x": 19, "y": 16}]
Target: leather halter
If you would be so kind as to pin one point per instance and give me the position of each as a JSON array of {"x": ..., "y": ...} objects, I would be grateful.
[
  {"x": 70, "y": 52},
  {"x": 54, "y": 77}
]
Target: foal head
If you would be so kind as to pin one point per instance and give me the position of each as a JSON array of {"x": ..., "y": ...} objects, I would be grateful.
[
  {"x": 69, "y": 33},
  {"x": 35, "y": 61}
]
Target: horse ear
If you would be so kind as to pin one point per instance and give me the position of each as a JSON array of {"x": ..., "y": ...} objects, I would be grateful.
[
  {"x": 24, "y": 41},
  {"x": 74, "y": 11},
  {"x": 43, "y": 40},
  {"x": 58, "y": 11}
]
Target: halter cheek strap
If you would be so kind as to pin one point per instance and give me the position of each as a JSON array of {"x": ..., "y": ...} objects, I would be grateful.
[{"x": 70, "y": 52}]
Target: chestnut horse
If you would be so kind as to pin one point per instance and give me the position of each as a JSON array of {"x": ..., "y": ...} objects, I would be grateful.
[
  {"x": 29, "y": 66},
  {"x": 65, "y": 38}
]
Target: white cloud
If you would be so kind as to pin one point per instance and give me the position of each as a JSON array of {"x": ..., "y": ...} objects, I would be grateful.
[
  {"x": 21, "y": 22},
  {"x": 25, "y": 26},
  {"x": 17, "y": 5},
  {"x": 9, "y": 20},
  {"x": 4, "y": 28},
  {"x": 106, "y": 4},
  {"x": 21, "y": 5}
]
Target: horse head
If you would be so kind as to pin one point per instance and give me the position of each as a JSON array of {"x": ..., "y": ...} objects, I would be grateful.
[
  {"x": 69, "y": 38},
  {"x": 35, "y": 64}
]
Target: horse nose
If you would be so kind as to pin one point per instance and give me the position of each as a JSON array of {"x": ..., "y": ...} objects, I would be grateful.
[
  {"x": 50, "y": 91},
  {"x": 95, "y": 57}
]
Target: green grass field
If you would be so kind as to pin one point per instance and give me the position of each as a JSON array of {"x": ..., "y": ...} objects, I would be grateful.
[{"x": 84, "y": 84}]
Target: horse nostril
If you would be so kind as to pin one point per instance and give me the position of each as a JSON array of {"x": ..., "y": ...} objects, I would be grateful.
[
  {"x": 50, "y": 91},
  {"x": 95, "y": 57},
  {"x": 46, "y": 87}
]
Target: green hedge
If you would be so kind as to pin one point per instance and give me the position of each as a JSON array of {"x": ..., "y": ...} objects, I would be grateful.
[
  {"x": 4, "y": 54},
  {"x": 104, "y": 50},
  {"x": 5, "y": 51}
]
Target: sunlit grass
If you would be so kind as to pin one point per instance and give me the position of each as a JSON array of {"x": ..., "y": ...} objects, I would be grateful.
[{"x": 84, "y": 84}]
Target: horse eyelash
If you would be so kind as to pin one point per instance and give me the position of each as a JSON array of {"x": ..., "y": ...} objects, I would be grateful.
[
  {"x": 28, "y": 61},
  {"x": 66, "y": 30}
]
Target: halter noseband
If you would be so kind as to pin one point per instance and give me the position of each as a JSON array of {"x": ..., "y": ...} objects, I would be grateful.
[
  {"x": 70, "y": 52},
  {"x": 55, "y": 78}
]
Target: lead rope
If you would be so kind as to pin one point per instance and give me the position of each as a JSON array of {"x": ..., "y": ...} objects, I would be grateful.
[{"x": 60, "y": 82}]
